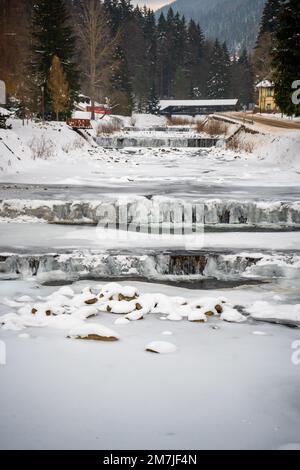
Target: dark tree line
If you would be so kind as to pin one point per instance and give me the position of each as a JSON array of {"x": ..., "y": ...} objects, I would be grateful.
[{"x": 167, "y": 58}]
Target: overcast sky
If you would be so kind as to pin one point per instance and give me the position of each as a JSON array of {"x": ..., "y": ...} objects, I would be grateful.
[{"x": 155, "y": 4}]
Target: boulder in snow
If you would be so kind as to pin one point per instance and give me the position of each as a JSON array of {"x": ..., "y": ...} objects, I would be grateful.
[
  {"x": 161, "y": 347},
  {"x": 94, "y": 332}
]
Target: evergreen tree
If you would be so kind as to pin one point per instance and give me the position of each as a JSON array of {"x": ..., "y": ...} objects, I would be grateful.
[
  {"x": 218, "y": 84},
  {"x": 153, "y": 105},
  {"x": 286, "y": 57},
  {"x": 243, "y": 79},
  {"x": 58, "y": 87},
  {"x": 52, "y": 35},
  {"x": 162, "y": 57},
  {"x": 266, "y": 40},
  {"x": 269, "y": 21},
  {"x": 194, "y": 60}
]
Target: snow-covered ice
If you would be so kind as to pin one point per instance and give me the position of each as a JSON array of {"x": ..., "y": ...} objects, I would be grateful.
[{"x": 53, "y": 383}]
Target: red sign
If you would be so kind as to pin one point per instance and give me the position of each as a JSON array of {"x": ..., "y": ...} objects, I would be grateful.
[
  {"x": 79, "y": 123},
  {"x": 99, "y": 110}
]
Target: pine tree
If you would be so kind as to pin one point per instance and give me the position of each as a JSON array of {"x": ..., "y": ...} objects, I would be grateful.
[
  {"x": 58, "y": 87},
  {"x": 269, "y": 21},
  {"x": 218, "y": 84},
  {"x": 153, "y": 104},
  {"x": 286, "y": 57},
  {"x": 53, "y": 35},
  {"x": 243, "y": 79},
  {"x": 266, "y": 39},
  {"x": 162, "y": 56},
  {"x": 194, "y": 60}
]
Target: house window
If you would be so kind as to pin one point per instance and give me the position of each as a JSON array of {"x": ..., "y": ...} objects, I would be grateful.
[
  {"x": 270, "y": 92},
  {"x": 269, "y": 107}
]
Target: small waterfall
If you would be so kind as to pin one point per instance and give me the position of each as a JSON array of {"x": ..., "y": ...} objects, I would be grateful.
[
  {"x": 155, "y": 210},
  {"x": 155, "y": 142},
  {"x": 82, "y": 265}
]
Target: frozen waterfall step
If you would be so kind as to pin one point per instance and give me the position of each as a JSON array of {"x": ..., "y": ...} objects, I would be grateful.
[
  {"x": 241, "y": 267},
  {"x": 41, "y": 238},
  {"x": 153, "y": 211},
  {"x": 122, "y": 142},
  {"x": 176, "y": 189},
  {"x": 162, "y": 129}
]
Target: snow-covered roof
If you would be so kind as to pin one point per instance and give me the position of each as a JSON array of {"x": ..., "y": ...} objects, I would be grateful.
[
  {"x": 265, "y": 84},
  {"x": 166, "y": 103}
]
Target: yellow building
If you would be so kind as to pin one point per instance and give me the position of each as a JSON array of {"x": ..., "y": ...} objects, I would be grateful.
[{"x": 266, "y": 101}]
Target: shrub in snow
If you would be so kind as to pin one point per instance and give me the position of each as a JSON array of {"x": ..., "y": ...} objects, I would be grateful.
[
  {"x": 77, "y": 144},
  {"x": 161, "y": 347},
  {"x": 109, "y": 127},
  {"x": 93, "y": 332},
  {"x": 41, "y": 148}
]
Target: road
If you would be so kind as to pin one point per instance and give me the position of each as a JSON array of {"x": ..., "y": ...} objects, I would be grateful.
[{"x": 267, "y": 121}]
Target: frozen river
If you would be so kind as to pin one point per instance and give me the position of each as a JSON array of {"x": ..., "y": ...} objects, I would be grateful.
[{"x": 229, "y": 388}]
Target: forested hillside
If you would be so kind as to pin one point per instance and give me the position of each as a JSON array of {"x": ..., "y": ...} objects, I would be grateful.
[{"x": 233, "y": 21}]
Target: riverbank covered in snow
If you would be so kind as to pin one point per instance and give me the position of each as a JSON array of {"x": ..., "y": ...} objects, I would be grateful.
[{"x": 52, "y": 153}]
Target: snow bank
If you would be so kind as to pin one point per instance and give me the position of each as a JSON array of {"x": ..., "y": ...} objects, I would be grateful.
[
  {"x": 51, "y": 141},
  {"x": 283, "y": 149}
]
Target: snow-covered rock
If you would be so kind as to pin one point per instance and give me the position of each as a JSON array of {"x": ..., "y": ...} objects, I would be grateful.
[
  {"x": 198, "y": 316},
  {"x": 161, "y": 347},
  {"x": 122, "y": 321},
  {"x": 93, "y": 332},
  {"x": 232, "y": 316},
  {"x": 118, "y": 307}
]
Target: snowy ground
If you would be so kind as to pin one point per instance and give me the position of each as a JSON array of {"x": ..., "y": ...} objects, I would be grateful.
[
  {"x": 72, "y": 161},
  {"x": 228, "y": 385}
]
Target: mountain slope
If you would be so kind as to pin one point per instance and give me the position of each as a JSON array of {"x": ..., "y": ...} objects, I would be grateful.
[{"x": 234, "y": 21}]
